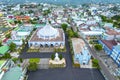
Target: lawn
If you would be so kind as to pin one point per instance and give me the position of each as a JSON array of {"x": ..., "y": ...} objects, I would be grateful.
[{"x": 34, "y": 60}]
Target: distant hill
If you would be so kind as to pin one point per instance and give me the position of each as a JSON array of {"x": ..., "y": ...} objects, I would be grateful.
[{"x": 63, "y": 1}]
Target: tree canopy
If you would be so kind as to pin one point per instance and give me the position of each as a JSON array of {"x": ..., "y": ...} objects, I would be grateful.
[
  {"x": 115, "y": 20},
  {"x": 64, "y": 26},
  {"x": 12, "y": 46},
  {"x": 70, "y": 33},
  {"x": 0, "y": 43},
  {"x": 6, "y": 56},
  {"x": 52, "y": 56},
  {"x": 95, "y": 63},
  {"x": 46, "y": 12},
  {"x": 32, "y": 67},
  {"x": 8, "y": 35},
  {"x": 98, "y": 47}
]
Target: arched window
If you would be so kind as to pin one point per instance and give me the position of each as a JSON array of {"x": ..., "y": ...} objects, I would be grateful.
[
  {"x": 41, "y": 45},
  {"x": 51, "y": 45},
  {"x": 46, "y": 45}
]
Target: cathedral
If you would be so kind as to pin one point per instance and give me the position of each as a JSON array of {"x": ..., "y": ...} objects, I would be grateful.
[{"x": 47, "y": 36}]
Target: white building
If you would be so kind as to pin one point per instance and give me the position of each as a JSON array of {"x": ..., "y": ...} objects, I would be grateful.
[
  {"x": 16, "y": 8},
  {"x": 47, "y": 36}
]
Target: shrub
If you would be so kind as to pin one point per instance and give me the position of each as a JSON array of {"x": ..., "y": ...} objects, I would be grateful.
[
  {"x": 91, "y": 42},
  {"x": 21, "y": 60},
  {"x": 64, "y": 26},
  {"x": 18, "y": 65},
  {"x": 60, "y": 56},
  {"x": 76, "y": 34},
  {"x": 7, "y": 56},
  {"x": 15, "y": 60},
  {"x": 32, "y": 67},
  {"x": 0, "y": 43},
  {"x": 98, "y": 47},
  {"x": 8, "y": 35},
  {"x": 12, "y": 46},
  {"x": 95, "y": 63},
  {"x": 52, "y": 56}
]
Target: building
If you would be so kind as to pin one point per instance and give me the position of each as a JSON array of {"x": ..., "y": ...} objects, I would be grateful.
[
  {"x": 9, "y": 71},
  {"x": 14, "y": 73},
  {"x": 3, "y": 21},
  {"x": 81, "y": 53},
  {"x": 4, "y": 66},
  {"x": 112, "y": 48},
  {"x": 111, "y": 34},
  {"x": 89, "y": 31},
  {"x": 24, "y": 18},
  {"x": 20, "y": 33},
  {"x": 16, "y": 8},
  {"x": 47, "y": 36}
]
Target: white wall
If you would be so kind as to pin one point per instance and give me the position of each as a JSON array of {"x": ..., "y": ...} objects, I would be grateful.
[
  {"x": 48, "y": 43},
  {"x": 23, "y": 33},
  {"x": 92, "y": 32}
]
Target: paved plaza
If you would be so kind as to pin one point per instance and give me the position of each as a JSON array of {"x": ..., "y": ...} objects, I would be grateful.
[{"x": 66, "y": 74}]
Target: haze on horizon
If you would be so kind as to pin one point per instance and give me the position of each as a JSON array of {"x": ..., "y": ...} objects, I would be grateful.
[{"x": 62, "y": 1}]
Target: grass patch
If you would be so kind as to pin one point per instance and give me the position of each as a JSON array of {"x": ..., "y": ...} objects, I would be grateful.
[
  {"x": 76, "y": 65},
  {"x": 56, "y": 65},
  {"x": 33, "y": 50},
  {"x": 60, "y": 50},
  {"x": 34, "y": 60}
]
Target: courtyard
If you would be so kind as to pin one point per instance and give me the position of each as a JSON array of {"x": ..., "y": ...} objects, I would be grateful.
[{"x": 67, "y": 73}]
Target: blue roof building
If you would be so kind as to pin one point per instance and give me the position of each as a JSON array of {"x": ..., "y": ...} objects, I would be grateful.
[
  {"x": 83, "y": 57},
  {"x": 81, "y": 53},
  {"x": 111, "y": 48},
  {"x": 116, "y": 54}
]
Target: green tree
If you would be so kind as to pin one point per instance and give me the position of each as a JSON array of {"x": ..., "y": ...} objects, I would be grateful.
[
  {"x": 7, "y": 56},
  {"x": 95, "y": 63},
  {"x": 70, "y": 33},
  {"x": 98, "y": 47},
  {"x": 30, "y": 11},
  {"x": 0, "y": 43},
  {"x": 46, "y": 12},
  {"x": 15, "y": 22},
  {"x": 104, "y": 18},
  {"x": 8, "y": 36},
  {"x": 12, "y": 46},
  {"x": 21, "y": 13},
  {"x": 76, "y": 34},
  {"x": 15, "y": 60},
  {"x": 19, "y": 22},
  {"x": 32, "y": 67},
  {"x": 21, "y": 60},
  {"x": 60, "y": 56},
  {"x": 64, "y": 26},
  {"x": 52, "y": 56}
]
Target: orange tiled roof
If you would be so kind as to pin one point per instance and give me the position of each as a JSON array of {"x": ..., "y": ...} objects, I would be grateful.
[{"x": 22, "y": 17}]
